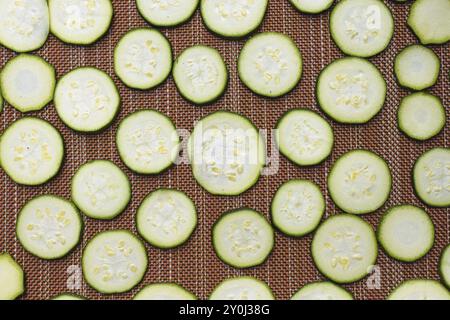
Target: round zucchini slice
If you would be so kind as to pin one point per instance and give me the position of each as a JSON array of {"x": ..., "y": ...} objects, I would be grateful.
[
  {"x": 344, "y": 248},
  {"x": 312, "y": 6},
  {"x": 431, "y": 177},
  {"x": 166, "y": 218},
  {"x": 49, "y": 227},
  {"x": 114, "y": 261},
  {"x": 164, "y": 291},
  {"x": 200, "y": 74},
  {"x": 242, "y": 288},
  {"x": 322, "y": 291},
  {"x": 421, "y": 116},
  {"x": 24, "y": 24},
  {"x": 86, "y": 99},
  {"x": 227, "y": 153},
  {"x": 270, "y": 64},
  {"x": 148, "y": 142},
  {"x": 79, "y": 21},
  {"x": 351, "y": 90},
  {"x": 12, "y": 279},
  {"x": 360, "y": 182},
  {"x": 68, "y": 297},
  {"x": 444, "y": 266},
  {"x": 297, "y": 207},
  {"x": 28, "y": 82},
  {"x": 101, "y": 190},
  {"x": 304, "y": 137},
  {"x": 406, "y": 233},
  {"x": 243, "y": 238},
  {"x": 361, "y": 28},
  {"x": 32, "y": 151},
  {"x": 231, "y": 18},
  {"x": 429, "y": 21},
  {"x": 143, "y": 58},
  {"x": 167, "y": 13},
  {"x": 420, "y": 289}
]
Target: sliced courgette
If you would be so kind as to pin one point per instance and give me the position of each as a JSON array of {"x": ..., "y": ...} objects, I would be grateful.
[
  {"x": 312, "y": 6},
  {"x": 420, "y": 289},
  {"x": 444, "y": 266},
  {"x": 68, "y": 297},
  {"x": 322, "y": 291},
  {"x": 12, "y": 279},
  {"x": 164, "y": 291},
  {"x": 167, "y": 13},
  {"x": 242, "y": 288}
]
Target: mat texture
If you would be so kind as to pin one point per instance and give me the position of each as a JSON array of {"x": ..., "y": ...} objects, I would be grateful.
[{"x": 195, "y": 265}]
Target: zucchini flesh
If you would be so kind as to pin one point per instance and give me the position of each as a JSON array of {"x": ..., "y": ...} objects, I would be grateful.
[
  {"x": 68, "y": 297},
  {"x": 166, "y": 13},
  {"x": 444, "y": 266},
  {"x": 322, "y": 291},
  {"x": 312, "y": 6},
  {"x": 420, "y": 289},
  {"x": 11, "y": 278},
  {"x": 242, "y": 288},
  {"x": 164, "y": 291}
]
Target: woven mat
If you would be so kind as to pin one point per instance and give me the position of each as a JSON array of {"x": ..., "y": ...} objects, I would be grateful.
[{"x": 195, "y": 265}]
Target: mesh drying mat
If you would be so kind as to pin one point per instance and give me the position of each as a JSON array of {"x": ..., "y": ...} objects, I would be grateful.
[{"x": 195, "y": 265}]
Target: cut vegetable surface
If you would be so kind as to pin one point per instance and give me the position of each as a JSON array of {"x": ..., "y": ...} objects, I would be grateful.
[
  {"x": 32, "y": 151},
  {"x": 28, "y": 82},
  {"x": 322, "y": 291},
  {"x": 68, "y": 297},
  {"x": 429, "y": 19},
  {"x": 114, "y": 261},
  {"x": 24, "y": 24},
  {"x": 361, "y": 28},
  {"x": 148, "y": 142},
  {"x": 420, "y": 289},
  {"x": 360, "y": 182},
  {"x": 49, "y": 227},
  {"x": 167, "y": 13},
  {"x": 243, "y": 238},
  {"x": 351, "y": 90},
  {"x": 431, "y": 177},
  {"x": 304, "y": 137},
  {"x": 164, "y": 291},
  {"x": 312, "y": 6},
  {"x": 86, "y": 99},
  {"x": 233, "y": 18},
  {"x": 297, "y": 207},
  {"x": 200, "y": 74},
  {"x": 227, "y": 153},
  {"x": 11, "y": 278},
  {"x": 406, "y": 233},
  {"x": 444, "y": 266},
  {"x": 101, "y": 190},
  {"x": 270, "y": 64},
  {"x": 143, "y": 58},
  {"x": 421, "y": 116},
  {"x": 344, "y": 248},
  {"x": 79, "y": 21},
  {"x": 242, "y": 288},
  {"x": 417, "y": 67},
  {"x": 166, "y": 218}
]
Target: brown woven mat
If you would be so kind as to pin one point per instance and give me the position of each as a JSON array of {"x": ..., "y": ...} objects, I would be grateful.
[{"x": 195, "y": 266}]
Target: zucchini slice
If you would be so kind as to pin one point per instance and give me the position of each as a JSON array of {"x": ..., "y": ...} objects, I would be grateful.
[
  {"x": 79, "y": 21},
  {"x": 148, "y": 142},
  {"x": 114, "y": 261},
  {"x": 297, "y": 207},
  {"x": 28, "y": 82},
  {"x": 444, "y": 266},
  {"x": 243, "y": 238},
  {"x": 12, "y": 279},
  {"x": 143, "y": 58},
  {"x": 227, "y": 153},
  {"x": 68, "y": 297},
  {"x": 166, "y": 13},
  {"x": 429, "y": 20},
  {"x": 200, "y": 74},
  {"x": 344, "y": 248},
  {"x": 166, "y": 218},
  {"x": 322, "y": 291},
  {"x": 270, "y": 64},
  {"x": 417, "y": 67},
  {"x": 86, "y": 99},
  {"x": 312, "y": 6},
  {"x": 101, "y": 190},
  {"x": 242, "y": 288},
  {"x": 231, "y": 18},
  {"x": 351, "y": 90},
  {"x": 32, "y": 151},
  {"x": 360, "y": 182},
  {"x": 304, "y": 137},
  {"x": 24, "y": 24},
  {"x": 420, "y": 289},
  {"x": 406, "y": 233},
  {"x": 431, "y": 175},
  {"x": 421, "y": 116},
  {"x": 49, "y": 227},
  {"x": 361, "y": 28},
  {"x": 164, "y": 291}
]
